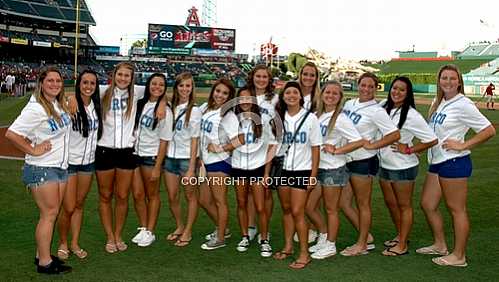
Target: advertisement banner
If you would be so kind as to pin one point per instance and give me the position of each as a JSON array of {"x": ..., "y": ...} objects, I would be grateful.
[
  {"x": 188, "y": 37},
  {"x": 4, "y": 39},
  {"x": 19, "y": 41},
  {"x": 42, "y": 44}
]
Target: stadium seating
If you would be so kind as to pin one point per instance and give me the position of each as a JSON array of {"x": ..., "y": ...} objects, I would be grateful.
[
  {"x": 486, "y": 69},
  {"x": 492, "y": 50},
  {"x": 474, "y": 50},
  {"x": 57, "y": 10}
]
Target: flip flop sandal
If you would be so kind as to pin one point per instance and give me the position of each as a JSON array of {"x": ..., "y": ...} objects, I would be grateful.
[
  {"x": 443, "y": 262},
  {"x": 173, "y": 236},
  {"x": 281, "y": 255},
  {"x": 63, "y": 254},
  {"x": 121, "y": 246},
  {"x": 182, "y": 243},
  {"x": 430, "y": 250},
  {"x": 81, "y": 253},
  {"x": 111, "y": 248},
  {"x": 348, "y": 252},
  {"x": 299, "y": 265},
  {"x": 390, "y": 253},
  {"x": 391, "y": 243}
]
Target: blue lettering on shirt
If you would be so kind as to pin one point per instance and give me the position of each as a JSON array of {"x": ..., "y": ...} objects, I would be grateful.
[
  {"x": 206, "y": 125},
  {"x": 119, "y": 104},
  {"x": 438, "y": 118},
  {"x": 301, "y": 138}
]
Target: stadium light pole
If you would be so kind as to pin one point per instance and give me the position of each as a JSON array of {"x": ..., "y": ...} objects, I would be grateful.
[{"x": 77, "y": 39}]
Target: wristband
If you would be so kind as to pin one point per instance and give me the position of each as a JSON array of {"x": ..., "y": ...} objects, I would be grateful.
[{"x": 408, "y": 150}]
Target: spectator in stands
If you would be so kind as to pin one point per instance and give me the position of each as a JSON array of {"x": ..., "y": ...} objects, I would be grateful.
[{"x": 489, "y": 92}]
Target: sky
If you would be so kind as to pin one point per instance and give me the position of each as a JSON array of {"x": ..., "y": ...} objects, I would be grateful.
[{"x": 345, "y": 29}]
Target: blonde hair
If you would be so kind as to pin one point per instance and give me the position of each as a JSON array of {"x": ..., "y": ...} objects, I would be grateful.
[
  {"x": 440, "y": 92},
  {"x": 108, "y": 94},
  {"x": 42, "y": 100},
  {"x": 175, "y": 99},
  {"x": 321, "y": 107},
  {"x": 316, "y": 88}
]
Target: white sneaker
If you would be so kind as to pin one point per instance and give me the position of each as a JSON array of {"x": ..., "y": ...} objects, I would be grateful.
[
  {"x": 252, "y": 232},
  {"x": 327, "y": 250},
  {"x": 212, "y": 245},
  {"x": 139, "y": 235},
  {"x": 243, "y": 245},
  {"x": 320, "y": 243},
  {"x": 147, "y": 240},
  {"x": 312, "y": 235},
  {"x": 259, "y": 237},
  {"x": 213, "y": 235},
  {"x": 265, "y": 249}
]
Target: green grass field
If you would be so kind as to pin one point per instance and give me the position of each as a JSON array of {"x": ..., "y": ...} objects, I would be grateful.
[{"x": 163, "y": 261}]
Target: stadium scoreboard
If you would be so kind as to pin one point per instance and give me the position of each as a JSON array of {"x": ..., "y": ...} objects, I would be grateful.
[{"x": 181, "y": 39}]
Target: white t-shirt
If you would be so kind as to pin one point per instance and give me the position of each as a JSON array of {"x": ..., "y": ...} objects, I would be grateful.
[
  {"x": 414, "y": 126},
  {"x": 117, "y": 128},
  {"x": 217, "y": 130},
  {"x": 82, "y": 149},
  {"x": 253, "y": 153},
  {"x": 180, "y": 146},
  {"x": 148, "y": 139},
  {"x": 299, "y": 155},
  {"x": 452, "y": 120},
  {"x": 35, "y": 124},
  {"x": 343, "y": 132},
  {"x": 369, "y": 118}
]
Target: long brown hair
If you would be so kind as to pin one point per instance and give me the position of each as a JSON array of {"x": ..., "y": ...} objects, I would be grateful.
[
  {"x": 175, "y": 99},
  {"x": 232, "y": 93},
  {"x": 321, "y": 107},
  {"x": 440, "y": 92},
  {"x": 108, "y": 94},
  {"x": 316, "y": 88},
  {"x": 269, "y": 90},
  {"x": 42, "y": 100}
]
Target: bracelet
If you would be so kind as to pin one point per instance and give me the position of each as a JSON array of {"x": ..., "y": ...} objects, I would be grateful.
[{"x": 408, "y": 151}]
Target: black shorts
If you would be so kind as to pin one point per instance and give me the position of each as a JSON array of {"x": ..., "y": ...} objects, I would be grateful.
[
  {"x": 253, "y": 175},
  {"x": 299, "y": 179},
  {"x": 109, "y": 158}
]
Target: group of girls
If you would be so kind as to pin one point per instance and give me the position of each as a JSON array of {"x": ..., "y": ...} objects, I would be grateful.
[{"x": 303, "y": 142}]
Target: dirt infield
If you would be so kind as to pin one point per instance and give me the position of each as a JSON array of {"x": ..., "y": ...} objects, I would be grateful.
[{"x": 8, "y": 151}]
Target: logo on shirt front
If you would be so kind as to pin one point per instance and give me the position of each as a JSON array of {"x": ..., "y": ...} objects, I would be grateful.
[
  {"x": 206, "y": 125},
  {"x": 55, "y": 126},
  {"x": 119, "y": 104},
  {"x": 301, "y": 138},
  {"x": 438, "y": 118},
  {"x": 355, "y": 117}
]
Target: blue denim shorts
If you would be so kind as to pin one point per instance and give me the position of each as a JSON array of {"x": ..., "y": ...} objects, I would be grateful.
[
  {"x": 365, "y": 167},
  {"x": 223, "y": 166},
  {"x": 176, "y": 166},
  {"x": 454, "y": 168},
  {"x": 333, "y": 177},
  {"x": 408, "y": 174},
  {"x": 145, "y": 161},
  {"x": 34, "y": 176},
  {"x": 82, "y": 169}
]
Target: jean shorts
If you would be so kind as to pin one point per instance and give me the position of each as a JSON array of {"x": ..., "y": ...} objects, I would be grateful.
[
  {"x": 454, "y": 168},
  {"x": 81, "y": 169},
  {"x": 145, "y": 161},
  {"x": 333, "y": 177},
  {"x": 176, "y": 166},
  {"x": 408, "y": 174},
  {"x": 365, "y": 167},
  {"x": 34, "y": 176},
  {"x": 110, "y": 158}
]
